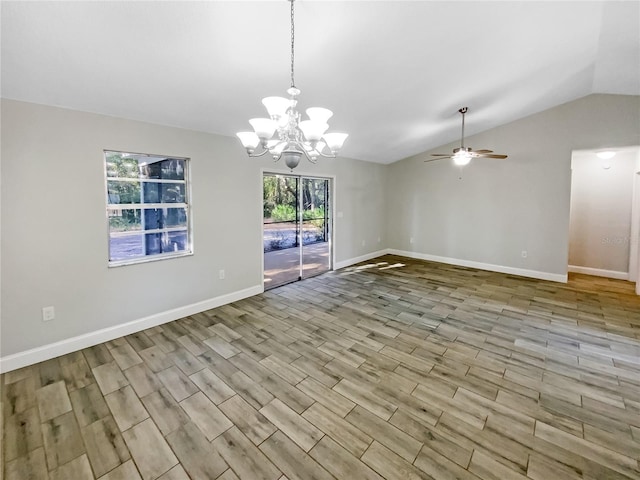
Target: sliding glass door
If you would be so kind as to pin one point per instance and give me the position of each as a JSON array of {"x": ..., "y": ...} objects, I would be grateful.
[
  {"x": 296, "y": 228},
  {"x": 281, "y": 231},
  {"x": 316, "y": 247}
]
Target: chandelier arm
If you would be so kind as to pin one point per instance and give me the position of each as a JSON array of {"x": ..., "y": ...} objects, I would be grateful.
[
  {"x": 331, "y": 155},
  {"x": 263, "y": 152}
]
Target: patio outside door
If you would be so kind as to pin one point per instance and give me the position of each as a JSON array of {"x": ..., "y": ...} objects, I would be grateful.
[{"x": 296, "y": 228}]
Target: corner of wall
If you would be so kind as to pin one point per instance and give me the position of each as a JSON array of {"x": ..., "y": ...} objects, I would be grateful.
[{"x": 553, "y": 277}]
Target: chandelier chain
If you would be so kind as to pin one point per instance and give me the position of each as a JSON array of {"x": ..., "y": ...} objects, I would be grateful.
[{"x": 293, "y": 36}]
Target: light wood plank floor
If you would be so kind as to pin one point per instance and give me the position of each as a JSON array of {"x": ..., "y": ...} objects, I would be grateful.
[{"x": 395, "y": 369}]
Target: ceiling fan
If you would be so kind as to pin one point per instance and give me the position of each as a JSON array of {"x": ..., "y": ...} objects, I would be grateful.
[{"x": 463, "y": 155}]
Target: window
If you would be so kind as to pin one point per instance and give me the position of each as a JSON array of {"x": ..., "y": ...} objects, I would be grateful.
[{"x": 147, "y": 207}]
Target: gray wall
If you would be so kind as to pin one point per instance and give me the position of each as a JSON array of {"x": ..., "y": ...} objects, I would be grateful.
[
  {"x": 601, "y": 200},
  {"x": 501, "y": 207},
  {"x": 54, "y": 238},
  {"x": 54, "y": 233}
]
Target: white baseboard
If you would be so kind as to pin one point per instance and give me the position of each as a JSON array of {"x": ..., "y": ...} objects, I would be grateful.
[
  {"x": 52, "y": 350},
  {"x": 554, "y": 277},
  {"x": 362, "y": 258},
  {"x": 599, "y": 272}
]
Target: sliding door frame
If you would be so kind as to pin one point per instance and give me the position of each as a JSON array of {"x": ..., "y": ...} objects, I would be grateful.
[{"x": 332, "y": 198}]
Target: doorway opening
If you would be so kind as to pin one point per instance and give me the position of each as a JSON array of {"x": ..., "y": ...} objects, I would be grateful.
[
  {"x": 297, "y": 228},
  {"x": 604, "y": 221}
]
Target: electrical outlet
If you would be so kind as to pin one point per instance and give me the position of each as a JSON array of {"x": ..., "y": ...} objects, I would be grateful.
[
  {"x": 221, "y": 274},
  {"x": 378, "y": 239},
  {"x": 48, "y": 314},
  {"x": 411, "y": 240},
  {"x": 364, "y": 243},
  {"x": 524, "y": 254}
]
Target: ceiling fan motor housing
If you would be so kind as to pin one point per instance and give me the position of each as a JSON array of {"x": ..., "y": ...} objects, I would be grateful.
[{"x": 462, "y": 149}]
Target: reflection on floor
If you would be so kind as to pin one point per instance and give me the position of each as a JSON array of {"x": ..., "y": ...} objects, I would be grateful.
[{"x": 282, "y": 266}]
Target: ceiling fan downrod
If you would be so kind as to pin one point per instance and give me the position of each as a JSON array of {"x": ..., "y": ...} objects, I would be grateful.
[{"x": 463, "y": 110}]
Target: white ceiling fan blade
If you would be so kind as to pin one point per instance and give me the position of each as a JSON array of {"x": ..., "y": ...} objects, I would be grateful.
[
  {"x": 491, "y": 155},
  {"x": 439, "y": 158}
]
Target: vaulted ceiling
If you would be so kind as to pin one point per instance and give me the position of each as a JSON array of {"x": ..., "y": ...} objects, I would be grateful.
[{"x": 394, "y": 72}]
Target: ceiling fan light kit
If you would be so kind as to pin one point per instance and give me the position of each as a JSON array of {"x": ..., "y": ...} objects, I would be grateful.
[
  {"x": 462, "y": 155},
  {"x": 284, "y": 135}
]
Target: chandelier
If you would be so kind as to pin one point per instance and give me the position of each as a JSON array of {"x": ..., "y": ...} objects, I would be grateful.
[{"x": 284, "y": 135}]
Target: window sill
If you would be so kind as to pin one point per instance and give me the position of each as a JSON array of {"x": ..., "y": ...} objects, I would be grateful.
[{"x": 150, "y": 258}]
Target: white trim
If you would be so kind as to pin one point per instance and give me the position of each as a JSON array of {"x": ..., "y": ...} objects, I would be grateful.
[
  {"x": 52, "y": 350},
  {"x": 362, "y": 258},
  {"x": 554, "y": 277},
  {"x": 332, "y": 198},
  {"x": 145, "y": 206},
  {"x": 148, "y": 180},
  {"x": 599, "y": 272},
  {"x": 131, "y": 233},
  {"x": 634, "y": 243}
]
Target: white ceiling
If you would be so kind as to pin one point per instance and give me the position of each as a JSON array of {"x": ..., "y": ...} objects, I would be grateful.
[{"x": 394, "y": 72}]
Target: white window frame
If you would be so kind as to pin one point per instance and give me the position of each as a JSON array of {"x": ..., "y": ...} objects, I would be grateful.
[{"x": 114, "y": 208}]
